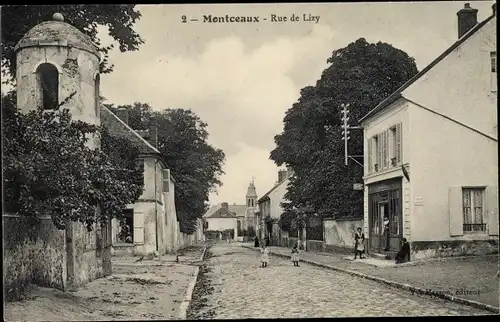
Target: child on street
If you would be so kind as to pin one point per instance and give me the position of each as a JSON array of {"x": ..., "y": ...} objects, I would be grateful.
[
  {"x": 264, "y": 256},
  {"x": 295, "y": 255}
]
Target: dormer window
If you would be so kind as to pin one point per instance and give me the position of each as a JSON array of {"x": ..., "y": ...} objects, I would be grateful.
[
  {"x": 48, "y": 82},
  {"x": 493, "y": 57}
]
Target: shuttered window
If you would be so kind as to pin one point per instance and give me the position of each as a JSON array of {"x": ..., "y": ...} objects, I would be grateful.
[
  {"x": 398, "y": 148},
  {"x": 369, "y": 154},
  {"x": 492, "y": 209},
  {"x": 384, "y": 150},
  {"x": 138, "y": 228},
  {"x": 380, "y": 143},
  {"x": 455, "y": 211}
]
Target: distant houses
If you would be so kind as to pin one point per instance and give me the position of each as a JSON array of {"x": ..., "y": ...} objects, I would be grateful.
[
  {"x": 232, "y": 221},
  {"x": 431, "y": 153}
]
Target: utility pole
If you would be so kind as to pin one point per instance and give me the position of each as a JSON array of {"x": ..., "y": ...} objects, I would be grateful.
[
  {"x": 345, "y": 129},
  {"x": 346, "y": 132}
]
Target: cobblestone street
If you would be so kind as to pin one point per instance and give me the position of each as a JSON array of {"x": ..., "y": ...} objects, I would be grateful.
[{"x": 240, "y": 288}]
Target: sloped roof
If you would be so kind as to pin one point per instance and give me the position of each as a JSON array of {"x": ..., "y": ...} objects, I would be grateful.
[
  {"x": 238, "y": 210},
  {"x": 398, "y": 93},
  {"x": 266, "y": 196},
  {"x": 251, "y": 192},
  {"x": 222, "y": 213},
  {"x": 119, "y": 128}
]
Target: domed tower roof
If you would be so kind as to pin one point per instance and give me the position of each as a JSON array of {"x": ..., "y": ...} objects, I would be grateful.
[
  {"x": 251, "y": 190},
  {"x": 57, "y": 33}
]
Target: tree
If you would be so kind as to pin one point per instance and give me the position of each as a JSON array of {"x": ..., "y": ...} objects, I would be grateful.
[
  {"x": 119, "y": 18},
  {"x": 361, "y": 75},
  {"x": 49, "y": 167},
  {"x": 195, "y": 164}
]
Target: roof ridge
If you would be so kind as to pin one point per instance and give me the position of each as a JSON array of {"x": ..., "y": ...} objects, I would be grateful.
[
  {"x": 131, "y": 130},
  {"x": 397, "y": 93}
]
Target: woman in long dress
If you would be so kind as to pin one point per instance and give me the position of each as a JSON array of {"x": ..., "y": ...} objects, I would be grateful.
[{"x": 359, "y": 243}]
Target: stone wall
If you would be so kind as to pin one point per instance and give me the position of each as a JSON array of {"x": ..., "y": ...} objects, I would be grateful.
[
  {"x": 315, "y": 246},
  {"x": 88, "y": 254},
  {"x": 34, "y": 252},
  {"x": 429, "y": 249},
  {"x": 339, "y": 233}
]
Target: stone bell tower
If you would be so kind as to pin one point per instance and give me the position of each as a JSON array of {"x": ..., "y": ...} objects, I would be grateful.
[{"x": 57, "y": 63}]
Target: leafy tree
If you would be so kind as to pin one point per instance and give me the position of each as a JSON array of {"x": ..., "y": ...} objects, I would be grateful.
[
  {"x": 195, "y": 164},
  {"x": 361, "y": 75},
  {"x": 119, "y": 18},
  {"x": 49, "y": 167}
]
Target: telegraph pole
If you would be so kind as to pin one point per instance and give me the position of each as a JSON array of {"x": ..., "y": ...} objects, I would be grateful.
[
  {"x": 345, "y": 129},
  {"x": 346, "y": 132}
]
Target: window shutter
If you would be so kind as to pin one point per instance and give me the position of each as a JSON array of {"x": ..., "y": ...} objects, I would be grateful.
[
  {"x": 166, "y": 180},
  {"x": 455, "y": 211},
  {"x": 379, "y": 152},
  {"x": 384, "y": 153},
  {"x": 398, "y": 144},
  {"x": 138, "y": 228},
  {"x": 369, "y": 155},
  {"x": 492, "y": 209}
]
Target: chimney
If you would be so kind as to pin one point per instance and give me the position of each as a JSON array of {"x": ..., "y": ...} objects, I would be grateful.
[
  {"x": 225, "y": 205},
  {"x": 122, "y": 113},
  {"x": 153, "y": 133},
  {"x": 282, "y": 175},
  {"x": 467, "y": 19}
]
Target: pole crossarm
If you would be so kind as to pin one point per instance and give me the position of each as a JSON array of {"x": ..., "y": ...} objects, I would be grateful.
[
  {"x": 355, "y": 161},
  {"x": 355, "y": 127}
]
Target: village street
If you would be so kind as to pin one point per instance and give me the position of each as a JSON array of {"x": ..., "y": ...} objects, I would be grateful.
[
  {"x": 233, "y": 285},
  {"x": 137, "y": 290}
]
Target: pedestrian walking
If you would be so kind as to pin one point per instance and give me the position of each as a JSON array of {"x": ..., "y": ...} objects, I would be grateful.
[
  {"x": 295, "y": 255},
  {"x": 359, "y": 243},
  {"x": 264, "y": 256},
  {"x": 256, "y": 242}
]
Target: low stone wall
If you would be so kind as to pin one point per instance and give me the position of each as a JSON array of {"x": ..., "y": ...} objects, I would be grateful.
[
  {"x": 430, "y": 249},
  {"x": 292, "y": 241},
  {"x": 34, "y": 252},
  {"x": 315, "y": 246},
  {"x": 339, "y": 233}
]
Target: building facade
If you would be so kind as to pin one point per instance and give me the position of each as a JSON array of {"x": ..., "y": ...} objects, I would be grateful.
[
  {"x": 57, "y": 64},
  {"x": 270, "y": 209},
  {"x": 431, "y": 163}
]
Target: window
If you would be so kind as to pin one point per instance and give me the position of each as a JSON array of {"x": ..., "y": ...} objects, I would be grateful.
[
  {"x": 97, "y": 94},
  {"x": 48, "y": 82},
  {"x": 375, "y": 146},
  {"x": 393, "y": 146},
  {"x": 473, "y": 209},
  {"x": 493, "y": 56},
  {"x": 126, "y": 234}
]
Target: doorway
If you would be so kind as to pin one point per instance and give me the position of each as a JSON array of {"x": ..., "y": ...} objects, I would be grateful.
[{"x": 385, "y": 202}]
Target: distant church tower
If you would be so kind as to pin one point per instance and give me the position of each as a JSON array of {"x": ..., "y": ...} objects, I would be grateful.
[
  {"x": 251, "y": 195},
  {"x": 54, "y": 61}
]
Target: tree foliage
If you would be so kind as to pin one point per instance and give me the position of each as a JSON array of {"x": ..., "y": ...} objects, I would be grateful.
[
  {"x": 118, "y": 18},
  {"x": 193, "y": 162},
  {"x": 361, "y": 75},
  {"x": 49, "y": 167}
]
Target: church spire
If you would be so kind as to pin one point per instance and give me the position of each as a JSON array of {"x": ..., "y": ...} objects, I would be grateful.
[{"x": 251, "y": 194}]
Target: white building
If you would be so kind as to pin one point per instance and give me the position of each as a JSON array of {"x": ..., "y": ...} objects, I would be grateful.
[
  {"x": 431, "y": 150},
  {"x": 270, "y": 207}
]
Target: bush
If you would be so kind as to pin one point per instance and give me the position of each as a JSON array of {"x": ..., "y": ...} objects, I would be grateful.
[{"x": 251, "y": 232}]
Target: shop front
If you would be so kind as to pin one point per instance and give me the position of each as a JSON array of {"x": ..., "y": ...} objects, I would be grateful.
[{"x": 385, "y": 216}]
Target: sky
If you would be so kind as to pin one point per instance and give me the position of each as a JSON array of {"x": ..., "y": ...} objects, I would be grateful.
[{"x": 240, "y": 78}]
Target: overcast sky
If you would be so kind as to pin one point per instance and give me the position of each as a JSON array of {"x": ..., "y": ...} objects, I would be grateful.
[{"x": 240, "y": 78}]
